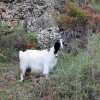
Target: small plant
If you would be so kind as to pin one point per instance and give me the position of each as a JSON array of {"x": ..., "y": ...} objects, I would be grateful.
[{"x": 31, "y": 38}]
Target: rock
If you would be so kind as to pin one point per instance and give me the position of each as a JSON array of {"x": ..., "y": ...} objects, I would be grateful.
[
  {"x": 30, "y": 10},
  {"x": 33, "y": 15},
  {"x": 47, "y": 36}
]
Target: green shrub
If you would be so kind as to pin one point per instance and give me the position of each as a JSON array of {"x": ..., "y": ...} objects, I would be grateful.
[
  {"x": 96, "y": 5},
  {"x": 72, "y": 17},
  {"x": 31, "y": 40},
  {"x": 11, "y": 40},
  {"x": 74, "y": 22},
  {"x": 72, "y": 10},
  {"x": 31, "y": 36},
  {"x": 2, "y": 58}
]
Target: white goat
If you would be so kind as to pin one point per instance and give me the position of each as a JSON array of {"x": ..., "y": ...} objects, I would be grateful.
[{"x": 39, "y": 61}]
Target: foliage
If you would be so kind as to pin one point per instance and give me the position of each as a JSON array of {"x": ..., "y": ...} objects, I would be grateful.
[
  {"x": 75, "y": 24},
  {"x": 8, "y": 55},
  {"x": 74, "y": 78},
  {"x": 11, "y": 40},
  {"x": 2, "y": 58},
  {"x": 96, "y": 5},
  {"x": 14, "y": 39},
  {"x": 72, "y": 10},
  {"x": 72, "y": 16},
  {"x": 31, "y": 36}
]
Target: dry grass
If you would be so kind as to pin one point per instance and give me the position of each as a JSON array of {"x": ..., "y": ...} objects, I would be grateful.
[{"x": 74, "y": 78}]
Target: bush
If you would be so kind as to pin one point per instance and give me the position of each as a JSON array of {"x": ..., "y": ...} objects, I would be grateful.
[
  {"x": 72, "y": 10},
  {"x": 96, "y": 5},
  {"x": 31, "y": 36},
  {"x": 74, "y": 22},
  {"x": 31, "y": 39},
  {"x": 11, "y": 41},
  {"x": 14, "y": 39},
  {"x": 72, "y": 16}
]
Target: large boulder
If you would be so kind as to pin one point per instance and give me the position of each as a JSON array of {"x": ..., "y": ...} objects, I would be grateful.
[{"x": 47, "y": 37}]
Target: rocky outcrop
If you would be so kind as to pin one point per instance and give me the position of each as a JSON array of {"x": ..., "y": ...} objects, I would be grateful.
[
  {"x": 36, "y": 14},
  {"x": 48, "y": 36},
  {"x": 40, "y": 15},
  {"x": 32, "y": 15}
]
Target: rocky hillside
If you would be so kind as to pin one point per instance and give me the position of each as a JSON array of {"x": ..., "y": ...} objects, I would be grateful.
[
  {"x": 32, "y": 15},
  {"x": 37, "y": 16}
]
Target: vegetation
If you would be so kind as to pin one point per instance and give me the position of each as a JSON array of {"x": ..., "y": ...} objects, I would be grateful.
[
  {"x": 13, "y": 39},
  {"x": 96, "y": 5},
  {"x": 72, "y": 16},
  {"x": 31, "y": 38},
  {"x": 75, "y": 24},
  {"x": 75, "y": 77}
]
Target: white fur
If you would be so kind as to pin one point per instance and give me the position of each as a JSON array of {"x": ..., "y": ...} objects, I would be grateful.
[{"x": 40, "y": 61}]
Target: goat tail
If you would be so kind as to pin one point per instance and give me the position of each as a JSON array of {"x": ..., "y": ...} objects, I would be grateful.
[{"x": 20, "y": 54}]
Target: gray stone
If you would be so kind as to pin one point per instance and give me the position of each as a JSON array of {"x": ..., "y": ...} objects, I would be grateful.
[
  {"x": 35, "y": 15},
  {"x": 48, "y": 36}
]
